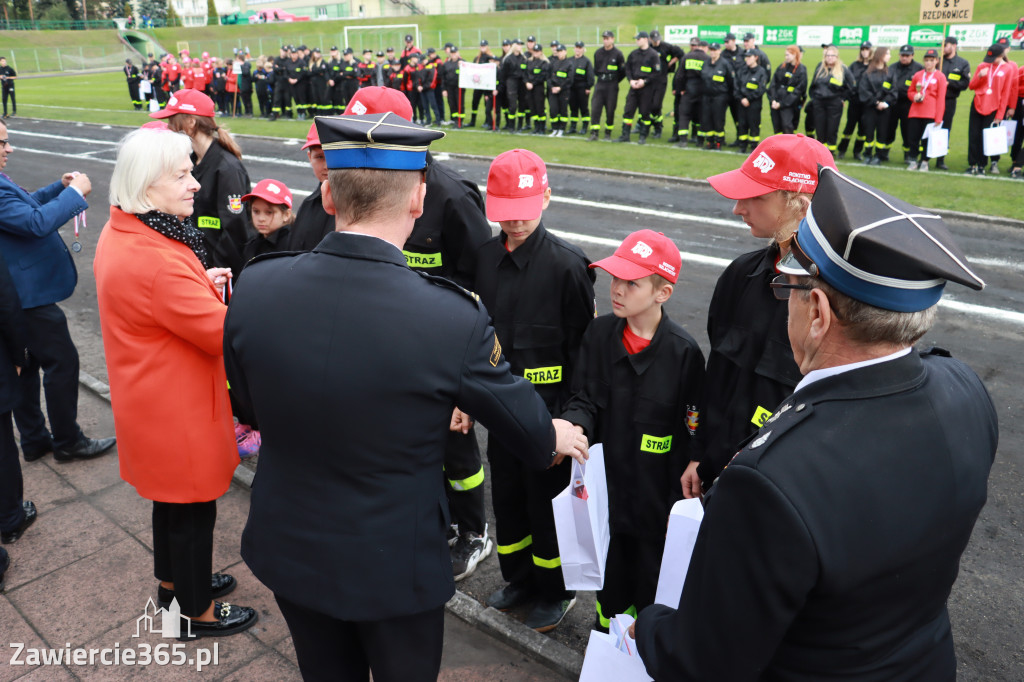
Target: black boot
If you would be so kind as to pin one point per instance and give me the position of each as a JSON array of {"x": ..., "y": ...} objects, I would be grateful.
[
  {"x": 656, "y": 133},
  {"x": 594, "y": 134},
  {"x": 583, "y": 127},
  {"x": 572, "y": 129},
  {"x": 625, "y": 134},
  {"x": 472, "y": 121}
]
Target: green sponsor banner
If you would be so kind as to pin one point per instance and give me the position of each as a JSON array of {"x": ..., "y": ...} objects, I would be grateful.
[
  {"x": 849, "y": 36},
  {"x": 780, "y": 35},
  {"x": 926, "y": 36},
  {"x": 712, "y": 34},
  {"x": 1004, "y": 31}
]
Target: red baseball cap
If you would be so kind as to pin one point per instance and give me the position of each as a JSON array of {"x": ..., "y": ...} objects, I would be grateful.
[
  {"x": 186, "y": 101},
  {"x": 272, "y": 191},
  {"x": 156, "y": 125},
  {"x": 786, "y": 162},
  {"x": 379, "y": 100},
  {"x": 641, "y": 254},
  {"x": 516, "y": 184},
  {"x": 312, "y": 137}
]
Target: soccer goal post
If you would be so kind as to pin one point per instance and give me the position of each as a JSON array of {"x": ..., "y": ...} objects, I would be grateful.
[{"x": 378, "y": 38}]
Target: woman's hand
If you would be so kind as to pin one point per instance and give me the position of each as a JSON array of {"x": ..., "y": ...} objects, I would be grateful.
[{"x": 219, "y": 278}]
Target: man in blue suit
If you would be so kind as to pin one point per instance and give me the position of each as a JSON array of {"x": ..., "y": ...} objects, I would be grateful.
[{"x": 43, "y": 274}]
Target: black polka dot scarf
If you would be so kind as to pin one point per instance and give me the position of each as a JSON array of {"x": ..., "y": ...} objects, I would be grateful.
[{"x": 179, "y": 230}]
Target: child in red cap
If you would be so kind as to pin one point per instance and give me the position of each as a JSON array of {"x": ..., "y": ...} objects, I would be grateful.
[
  {"x": 540, "y": 294},
  {"x": 637, "y": 375},
  {"x": 270, "y": 205}
]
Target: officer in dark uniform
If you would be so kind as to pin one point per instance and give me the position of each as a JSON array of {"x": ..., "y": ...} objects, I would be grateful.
[
  {"x": 609, "y": 70},
  {"x": 642, "y": 66},
  {"x": 7, "y": 77},
  {"x": 670, "y": 57},
  {"x": 538, "y": 71},
  {"x": 513, "y": 72},
  {"x": 484, "y": 57},
  {"x": 559, "y": 83},
  {"x": 281, "y": 104},
  {"x": 334, "y": 82},
  {"x": 900, "y": 75},
  {"x": 688, "y": 91},
  {"x": 579, "y": 95},
  {"x": 131, "y": 74},
  {"x": 349, "y": 77},
  {"x": 356, "y": 416},
  {"x": 854, "y": 109},
  {"x": 297, "y": 82},
  {"x": 751, "y": 84},
  {"x": 450, "y": 87},
  {"x": 718, "y": 82},
  {"x": 837, "y": 523},
  {"x": 733, "y": 54},
  {"x": 957, "y": 71}
]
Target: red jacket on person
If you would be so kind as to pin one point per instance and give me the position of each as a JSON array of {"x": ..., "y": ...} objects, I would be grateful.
[
  {"x": 933, "y": 86},
  {"x": 992, "y": 91}
]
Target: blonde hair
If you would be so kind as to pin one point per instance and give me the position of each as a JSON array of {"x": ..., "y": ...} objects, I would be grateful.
[
  {"x": 143, "y": 157},
  {"x": 835, "y": 72}
]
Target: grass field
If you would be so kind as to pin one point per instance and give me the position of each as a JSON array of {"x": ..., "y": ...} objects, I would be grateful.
[{"x": 103, "y": 98}]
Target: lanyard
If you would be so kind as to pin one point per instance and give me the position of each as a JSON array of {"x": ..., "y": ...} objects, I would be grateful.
[
  {"x": 926, "y": 81},
  {"x": 991, "y": 74},
  {"x": 76, "y": 246}
]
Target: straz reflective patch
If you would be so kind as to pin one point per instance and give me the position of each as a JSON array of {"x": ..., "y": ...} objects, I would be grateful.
[
  {"x": 495, "y": 352},
  {"x": 760, "y": 416},
  {"x": 422, "y": 260},
  {"x": 655, "y": 445},
  {"x": 543, "y": 375},
  {"x": 209, "y": 223}
]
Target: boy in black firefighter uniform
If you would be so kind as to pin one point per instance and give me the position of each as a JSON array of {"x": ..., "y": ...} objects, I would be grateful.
[
  {"x": 298, "y": 82},
  {"x": 636, "y": 389},
  {"x": 958, "y": 73},
  {"x": 900, "y": 75},
  {"x": 579, "y": 95},
  {"x": 751, "y": 84},
  {"x": 670, "y": 56},
  {"x": 538, "y": 70},
  {"x": 559, "y": 84},
  {"x": 688, "y": 89},
  {"x": 513, "y": 71},
  {"x": 718, "y": 82},
  {"x": 484, "y": 57},
  {"x": 642, "y": 66},
  {"x": 540, "y": 294},
  {"x": 609, "y": 70},
  {"x": 449, "y": 75},
  {"x": 854, "y": 110},
  {"x": 334, "y": 65}
]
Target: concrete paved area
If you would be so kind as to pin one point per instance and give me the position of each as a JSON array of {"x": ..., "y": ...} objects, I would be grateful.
[{"x": 81, "y": 576}]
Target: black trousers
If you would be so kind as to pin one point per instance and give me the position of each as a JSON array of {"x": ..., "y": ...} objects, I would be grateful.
[
  {"x": 749, "y": 129},
  {"x": 1018, "y": 139},
  {"x": 713, "y": 108},
  {"x": 488, "y": 97},
  {"x": 915, "y": 129},
  {"x": 606, "y": 97},
  {"x": 785, "y": 119},
  {"x": 631, "y": 573},
  {"x": 456, "y": 105},
  {"x": 975, "y": 144},
  {"x": 898, "y": 117},
  {"x": 245, "y": 102},
  {"x": 464, "y": 481},
  {"x": 133, "y": 94},
  {"x": 12, "y": 489},
  {"x": 658, "y": 87},
  {"x": 9, "y": 92},
  {"x": 827, "y": 115},
  {"x": 404, "y": 649},
  {"x": 282, "y": 104},
  {"x": 579, "y": 107},
  {"x": 183, "y": 551},
  {"x": 524, "y": 521},
  {"x": 558, "y": 108},
  {"x": 853, "y": 114},
  {"x": 638, "y": 100},
  {"x": 538, "y": 104},
  {"x": 689, "y": 114},
  {"x": 874, "y": 125},
  {"x": 512, "y": 97},
  {"x": 52, "y": 351}
]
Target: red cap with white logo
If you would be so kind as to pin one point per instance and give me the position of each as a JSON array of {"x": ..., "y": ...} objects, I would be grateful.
[
  {"x": 786, "y": 162},
  {"x": 272, "y": 191},
  {"x": 515, "y": 186},
  {"x": 312, "y": 137},
  {"x": 186, "y": 101},
  {"x": 641, "y": 254},
  {"x": 379, "y": 100}
]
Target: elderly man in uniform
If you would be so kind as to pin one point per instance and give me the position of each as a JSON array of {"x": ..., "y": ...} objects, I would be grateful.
[
  {"x": 347, "y": 522},
  {"x": 830, "y": 544}
]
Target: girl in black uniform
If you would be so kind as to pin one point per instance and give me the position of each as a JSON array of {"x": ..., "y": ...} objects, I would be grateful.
[
  {"x": 787, "y": 92},
  {"x": 876, "y": 96},
  {"x": 751, "y": 84},
  {"x": 831, "y": 86},
  {"x": 319, "y": 98}
]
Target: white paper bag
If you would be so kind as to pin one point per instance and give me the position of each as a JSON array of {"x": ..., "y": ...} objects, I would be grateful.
[
  {"x": 994, "y": 141},
  {"x": 1011, "y": 131},
  {"x": 145, "y": 87},
  {"x": 154, "y": 105},
  {"x": 683, "y": 524},
  {"x": 938, "y": 142},
  {"x": 581, "y": 523},
  {"x": 613, "y": 657}
]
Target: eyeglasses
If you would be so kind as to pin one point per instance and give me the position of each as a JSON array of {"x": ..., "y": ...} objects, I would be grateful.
[
  {"x": 4, "y": 143},
  {"x": 781, "y": 287}
]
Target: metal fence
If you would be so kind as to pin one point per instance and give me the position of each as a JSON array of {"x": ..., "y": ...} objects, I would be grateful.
[{"x": 28, "y": 60}]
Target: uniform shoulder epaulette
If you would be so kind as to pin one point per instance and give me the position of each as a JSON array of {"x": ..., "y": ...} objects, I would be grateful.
[
  {"x": 448, "y": 284},
  {"x": 274, "y": 254}
]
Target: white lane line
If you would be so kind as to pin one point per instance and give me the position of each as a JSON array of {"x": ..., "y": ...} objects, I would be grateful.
[{"x": 997, "y": 263}]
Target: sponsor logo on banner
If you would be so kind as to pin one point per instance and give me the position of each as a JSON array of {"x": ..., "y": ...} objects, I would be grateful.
[
  {"x": 925, "y": 36},
  {"x": 889, "y": 35},
  {"x": 679, "y": 34},
  {"x": 1003, "y": 31},
  {"x": 713, "y": 34},
  {"x": 814, "y": 35},
  {"x": 741, "y": 29},
  {"x": 973, "y": 35},
  {"x": 780, "y": 35},
  {"x": 849, "y": 36}
]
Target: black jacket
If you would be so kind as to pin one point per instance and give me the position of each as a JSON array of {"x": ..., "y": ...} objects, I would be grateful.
[
  {"x": 824, "y": 86},
  {"x": 750, "y": 366},
  {"x": 259, "y": 245},
  {"x": 583, "y": 72},
  {"x": 751, "y": 83},
  {"x": 513, "y": 67},
  {"x": 958, "y": 75},
  {"x": 348, "y": 512},
  {"x": 537, "y": 72},
  {"x": 717, "y": 78},
  {"x": 218, "y": 209},
  {"x": 541, "y": 297},
  {"x": 609, "y": 65},
  {"x": 688, "y": 78},
  {"x": 900, "y": 77},
  {"x": 642, "y": 407},
  {"x": 643, "y": 65},
  {"x": 789, "y": 85},
  {"x": 830, "y": 544},
  {"x": 312, "y": 223},
  {"x": 875, "y": 87},
  {"x": 561, "y": 74}
]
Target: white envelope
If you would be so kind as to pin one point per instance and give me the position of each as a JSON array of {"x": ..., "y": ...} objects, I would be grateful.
[{"x": 683, "y": 525}]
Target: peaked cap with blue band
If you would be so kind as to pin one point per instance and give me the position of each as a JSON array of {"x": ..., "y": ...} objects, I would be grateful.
[
  {"x": 876, "y": 248},
  {"x": 383, "y": 141}
]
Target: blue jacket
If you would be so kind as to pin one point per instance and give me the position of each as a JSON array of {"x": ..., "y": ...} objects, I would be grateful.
[{"x": 39, "y": 261}]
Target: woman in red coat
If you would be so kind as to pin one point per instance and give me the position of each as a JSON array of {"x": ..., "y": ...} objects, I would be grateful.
[
  {"x": 927, "y": 94},
  {"x": 162, "y": 316}
]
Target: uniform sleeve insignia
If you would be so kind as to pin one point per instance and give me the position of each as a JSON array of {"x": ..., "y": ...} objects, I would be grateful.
[
  {"x": 761, "y": 440},
  {"x": 495, "y": 352},
  {"x": 235, "y": 203}
]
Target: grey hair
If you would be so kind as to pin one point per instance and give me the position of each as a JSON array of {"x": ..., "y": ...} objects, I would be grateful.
[
  {"x": 865, "y": 323},
  {"x": 143, "y": 156}
]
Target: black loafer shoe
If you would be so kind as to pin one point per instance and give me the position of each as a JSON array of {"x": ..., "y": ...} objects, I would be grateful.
[
  {"x": 511, "y": 596},
  {"x": 87, "y": 448},
  {"x": 8, "y": 537},
  {"x": 231, "y": 619},
  {"x": 32, "y": 453},
  {"x": 221, "y": 584},
  {"x": 546, "y": 615}
]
